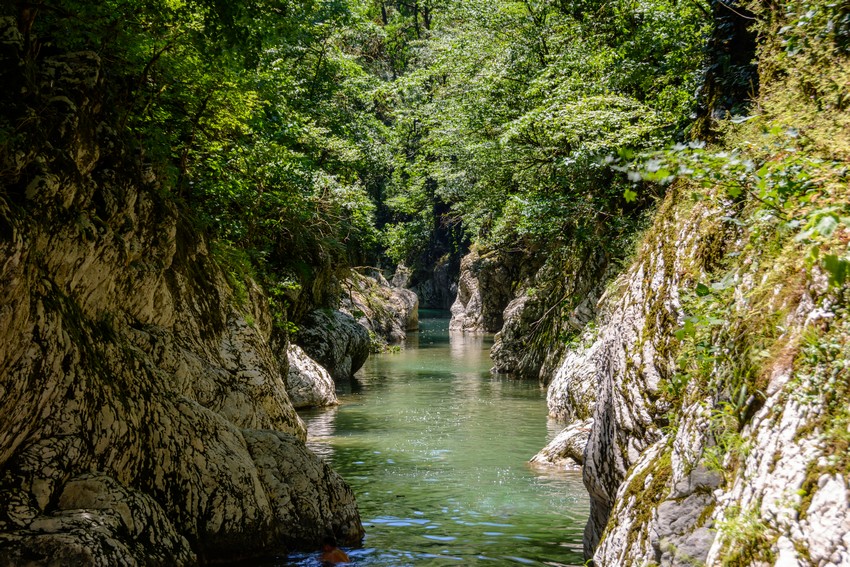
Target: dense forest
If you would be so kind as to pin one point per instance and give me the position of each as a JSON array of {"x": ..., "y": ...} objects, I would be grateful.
[
  {"x": 302, "y": 135},
  {"x": 306, "y": 134},
  {"x": 652, "y": 195}
]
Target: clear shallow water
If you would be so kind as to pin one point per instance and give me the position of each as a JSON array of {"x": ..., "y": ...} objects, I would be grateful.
[{"x": 435, "y": 450}]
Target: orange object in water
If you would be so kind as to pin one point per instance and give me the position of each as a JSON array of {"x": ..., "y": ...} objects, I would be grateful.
[{"x": 333, "y": 555}]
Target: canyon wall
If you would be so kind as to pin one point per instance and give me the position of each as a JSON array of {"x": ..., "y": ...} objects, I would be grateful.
[{"x": 144, "y": 417}]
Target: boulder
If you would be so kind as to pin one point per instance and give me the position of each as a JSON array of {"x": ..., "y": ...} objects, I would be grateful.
[
  {"x": 98, "y": 521},
  {"x": 335, "y": 340},
  {"x": 307, "y": 382},
  {"x": 467, "y": 315},
  {"x": 566, "y": 450}
]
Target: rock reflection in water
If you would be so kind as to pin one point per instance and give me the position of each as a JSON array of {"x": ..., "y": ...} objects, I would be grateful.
[{"x": 321, "y": 427}]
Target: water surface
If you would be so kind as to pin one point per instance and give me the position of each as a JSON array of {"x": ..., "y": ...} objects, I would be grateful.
[{"x": 435, "y": 450}]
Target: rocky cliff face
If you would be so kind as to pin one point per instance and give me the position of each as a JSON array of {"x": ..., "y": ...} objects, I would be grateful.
[
  {"x": 552, "y": 303},
  {"x": 144, "y": 418},
  {"x": 714, "y": 455},
  {"x": 386, "y": 310},
  {"x": 485, "y": 287},
  {"x": 531, "y": 303},
  {"x": 718, "y": 362},
  {"x": 437, "y": 288}
]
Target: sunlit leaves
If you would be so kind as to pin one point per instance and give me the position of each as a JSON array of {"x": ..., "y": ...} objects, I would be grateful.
[{"x": 514, "y": 103}]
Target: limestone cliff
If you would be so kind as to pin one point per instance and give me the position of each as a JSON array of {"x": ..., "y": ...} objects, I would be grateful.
[
  {"x": 716, "y": 371},
  {"x": 144, "y": 417},
  {"x": 532, "y": 301},
  {"x": 386, "y": 310},
  {"x": 485, "y": 287},
  {"x": 733, "y": 459},
  {"x": 551, "y": 303}
]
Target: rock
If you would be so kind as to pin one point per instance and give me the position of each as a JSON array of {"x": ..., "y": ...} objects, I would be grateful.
[
  {"x": 513, "y": 353},
  {"x": 485, "y": 287},
  {"x": 308, "y": 383},
  {"x": 312, "y": 503},
  {"x": 334, "y": 340},
  {"x": 828, "y": 529},
  {"x": 530, "y": 344},
  {"x": 711, "y": 484},
  {"x": 437, "y": 288},
  {"x": 572, "y": 393},
  {"x": 631, "y": 356},
  {"x": 99, "y": 522},
  {"x": 385, "y": 310},
  {"x": 401, "y": 277},
  {"x": 139, "y": 393},
  {"x": 466, "y": 310},
  {"x": 566, "y": 450}
]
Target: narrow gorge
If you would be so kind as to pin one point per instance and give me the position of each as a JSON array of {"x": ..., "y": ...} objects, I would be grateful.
[{"x": 281, "y": 275}]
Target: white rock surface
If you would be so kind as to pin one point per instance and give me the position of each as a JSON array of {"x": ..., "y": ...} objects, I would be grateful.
[
  {"x": 388, "y": 311},
  {"x": 566, "y": 450},
  {"x": 308, "y": 383},
  {"x": 777, "y": 497}
]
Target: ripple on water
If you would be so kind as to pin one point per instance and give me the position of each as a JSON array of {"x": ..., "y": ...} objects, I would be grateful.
[{"x": 435, "y": 449}]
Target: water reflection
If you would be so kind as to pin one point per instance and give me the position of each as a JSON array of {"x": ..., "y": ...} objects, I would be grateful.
[
  {"x": 321, "y": 428},
  {"x": 466, "y": 348},
  {"x": 436, "y": 450}
]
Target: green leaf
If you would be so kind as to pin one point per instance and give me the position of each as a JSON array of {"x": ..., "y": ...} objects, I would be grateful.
[
  {"x": 629, "y": 195},
  {"x": 837, "y": 268},
  {"x": 702, "y": 290},
  {"x": 827, "y": 225}
]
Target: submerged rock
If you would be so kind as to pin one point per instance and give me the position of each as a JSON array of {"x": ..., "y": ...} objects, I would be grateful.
[{"x": 335, "y": 340}]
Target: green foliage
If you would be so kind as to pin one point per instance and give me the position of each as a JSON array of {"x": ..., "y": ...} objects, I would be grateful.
[
  {"x": 776, "y": 174},
  {"x": 502, "y": 124},
  {"x": 237, "y": 268},
  {"x": 748, "y": 537},
  {"x": 256, "y": 115},
  {"x": 294, "y": 129}
]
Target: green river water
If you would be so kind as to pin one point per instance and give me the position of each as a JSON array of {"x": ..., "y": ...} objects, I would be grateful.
[{"x": 436, "y": 451}]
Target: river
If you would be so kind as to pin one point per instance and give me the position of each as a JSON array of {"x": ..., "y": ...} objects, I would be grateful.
[{"x": 436, "y": 451}]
